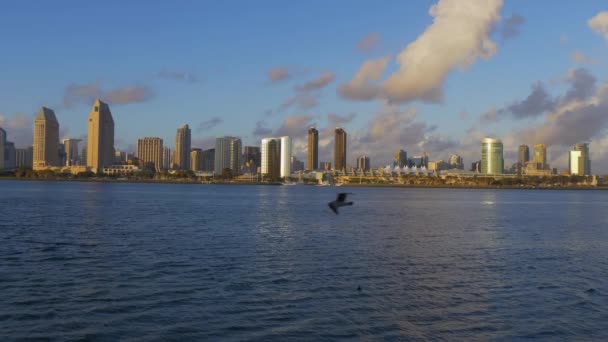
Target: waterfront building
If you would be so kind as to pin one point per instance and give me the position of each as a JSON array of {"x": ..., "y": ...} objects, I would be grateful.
[
  {"x": 523, "y": 154},
  {"x": 83, "y": 156},
  {"x": 540, "y": 156},
  {"x": 326, "y": 166},
  {"x": 579, "y": 162},
  {"x": 150, "y": 152},
  {"x": 46, "y": 139},
  {"x": 9, "y": 155},
  {"x": 476, "y": 166},
  {"x": 313, "y": 149},
  {"x": 438, "y": 165},
  {"x": 252, "y": 158},
  {"x": 100, "y": 145},
  {"x": 456, "y": 162},
  {"x": 492, "y": 161},
  {"x": 296, "y": 165},
  {"x": 71, "y": 151},
  {"x": 2, "y": 147},
  {"x": 400, "y": 159},
  {"x": 181, "y": 154},
  {"x": 209, "y": 160},
  {"x": 24, "y": 157},
  {"x": 120, "y": 157},
  {"x": 228, "y": 154},
  {"x": 276, "y": 157},
  {"x": 166, "y": 158},
  {"x": 340, "y": 149},
  {"x": 121, "y": 170},
  {"x": 363, "y": 163},
  {"x": 196, "y": 159}
]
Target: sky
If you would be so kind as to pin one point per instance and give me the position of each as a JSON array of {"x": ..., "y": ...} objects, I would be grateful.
[{"x": 423, "y": 76}]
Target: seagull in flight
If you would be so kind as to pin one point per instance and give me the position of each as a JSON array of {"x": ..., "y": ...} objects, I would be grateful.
[{"x": 339, "y": 202}]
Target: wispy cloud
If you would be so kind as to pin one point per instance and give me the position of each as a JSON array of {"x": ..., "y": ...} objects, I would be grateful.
[
  {"x": 177, "y": 75},
  {"x": 278, "y": 74},
  {"x": 369, "y": 42},
  {"x": 127, "y": 95},
  {"x": 320, "y": 82},
  {"x": 363, "y": 86},
  {"x": 87, "y": 93},
  {"x": 511, "y": 26},
  {"x": 209, "y": 124},
  {"x": 580, "y": 58},
  {"x": 599, "y": 24}
]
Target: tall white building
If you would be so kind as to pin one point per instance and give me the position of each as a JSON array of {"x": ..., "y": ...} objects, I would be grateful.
[
  {"x": 579, "y": 161},
  {"x": 228, "y": 151},
  {"x": 276, "y": 156}
]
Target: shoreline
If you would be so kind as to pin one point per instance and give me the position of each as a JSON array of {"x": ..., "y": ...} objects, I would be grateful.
[{"x": 412, "y": 186}]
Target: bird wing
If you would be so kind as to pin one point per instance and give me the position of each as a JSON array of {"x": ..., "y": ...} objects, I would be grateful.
[{"x": 341, "y": 197}]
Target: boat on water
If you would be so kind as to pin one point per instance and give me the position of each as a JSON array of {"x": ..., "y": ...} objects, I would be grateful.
[{"x": 289, "y": 183}]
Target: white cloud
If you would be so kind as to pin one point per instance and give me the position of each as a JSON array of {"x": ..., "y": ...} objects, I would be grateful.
[
  {"x": 363, "y": 85},
  {"x": 599, "y": 24},
  {"x": 580, "y": 58}
]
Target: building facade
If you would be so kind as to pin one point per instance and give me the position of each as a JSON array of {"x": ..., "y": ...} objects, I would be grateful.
[
  {"x": 579, "y": 162},
  {"x": 196, "y": 159},
  {"x": 340, "y": 149},
  {"x": 166, "y": 158},
  {"x": 363, "y": 163},
  {"x": 523, "y": 154},
  {"x": 492, "y": 161},
  {"x": 71, "y": 151},
  {"x": 181, "y": 154},
  {"x": 540, "y": 156},
  {"x": 312, "y": 162},
  {"x": 9, "y": 155},
  {"x": 150, "y": 152},
  {"x": 46, "y": 139},
  {"x": 276, "y": 157},
  {"x": 209, "y": 160},
  {"x": 100, "y": 140},
  {"x": 252, "y": 158},
  {"x": 400, "y": 159},
  {"x": 2, "y": 147},
  {"x": 456, "y": 162},
  {"x": 24, "y": 157},
  {"x": 228, "y": 152}
]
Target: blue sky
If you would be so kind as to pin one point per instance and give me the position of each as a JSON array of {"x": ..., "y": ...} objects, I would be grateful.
[{"x": 167, "y": 64}]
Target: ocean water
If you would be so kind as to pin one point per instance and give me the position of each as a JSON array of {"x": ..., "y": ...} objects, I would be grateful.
[{"x": 140, "y": 262}]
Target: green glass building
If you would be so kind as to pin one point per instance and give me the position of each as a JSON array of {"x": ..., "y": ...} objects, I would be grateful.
[{"x": 492, "y": 162}]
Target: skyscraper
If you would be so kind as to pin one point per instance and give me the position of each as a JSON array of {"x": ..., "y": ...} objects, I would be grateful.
[
  {"x": 150, "y": 152},
  {"x": 400, "y": 158},
  {"x": 9, "y": 155},
  {"x": 196, "y": 159},
  {"x": 166, "y": 158},
  {"x": 579, "y": 161},
  {"x": 523, "y": 154},
  {"x": 46, "y": 139},
  {"x": 181, "y": 156},
  {"x": 340, "y": 149},
  {"x": 209, "y": 160},
  {"x": 313, "y": 149},
  {"x": 24, "y": 157},
  {"x": 276, "y": 157},
  {"x": 492, "y": 161},
  {"x": 252, "y": 157},
  {"x": 2, "y": 147},
  {"x": 363, "y": 163},
  {"x": 228, "y": 154},
  {"x": 456, "y": 162},
  {"x": 100, "y": 145},
  {"x": 71, "y": 151},
  {"x": 540, "y": 156}
]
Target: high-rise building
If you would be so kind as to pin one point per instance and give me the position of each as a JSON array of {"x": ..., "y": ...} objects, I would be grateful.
[
  {"x": 9, "y": 155},
  {"x": 296, "y": 165},
  {"x": 150, "y": 152},
  {"x": 46, "y": 139},
  {"x": 540, "y": 156},
  {"x": 228, "y": 154},
  {"x": 209, "y": 160},
  {"x": 579, "y": 161},
  {"x": 83, "y": 156},
  {"x": 456, "y": 162},
  {"x": 340, "y": 149},
  {"x": 24, "y": 157},
  {"x": 166, "y": 158},
  {"x": 120, "y": 157},
  {"x": 400, "y": 158},
  {"x": 100, "y": 145},
  {"x": 2, "y": 147},
  {"x": 326, "y": 166},
  {"x": 252, "y": 157},
  {"x": 492, "y": 161},
  {"x": 523, "y": 154},
  {"x": 313, "y": 149},
  {"x": 276, "y": 157},
  {"x": 181, "y": 154},
  {"x": 196, "y": 159},
  {"x": 363, "y": 163},
  {"x": 71, "y": 151}
]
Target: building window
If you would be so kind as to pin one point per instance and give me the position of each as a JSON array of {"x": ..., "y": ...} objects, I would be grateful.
[{"x": 96, "y": 109}]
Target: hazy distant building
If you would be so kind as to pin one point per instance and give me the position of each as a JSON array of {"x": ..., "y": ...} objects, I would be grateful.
[
  {"x": 438, "y": 165},
  {"x": 71, "y": 151},
  {"x": 340, "y": 149},
  {"x": 120, "y": 157},
  {"x": 209, "y": 160},
  {"x": 296, "y": 164},
  {"x": 363, "y": 163},
  {"x": 523, "y": 154},
  {"x": 400, "y": 158},
  {"x": 100, "y": 145},
  {"x": 540, "y": 156},
  {"x": 2, "y": 147},
  {"x": 228, "y": 154},
  {"x": 24, "y": 157},
  {"x": 476, "y": 166},
  {"x": 196, "y": 159},
  {"x": 150, "y": 152},
  {"x": 9, "y": 155},
  {"x": 326, "y": 166},
  {"x": 46, "y": 139},
  {"x": 276, "y": 157},
  {"x": 312, "y": 162},
  {"x": 579, "y": 161},
  {"x": 492, "y": 161},
  {"x": 252, "y": 159},
  {"x": 456, "y": 162},
  {"x": 166, "y": 158},
  {"x": 181, "y": 154}
]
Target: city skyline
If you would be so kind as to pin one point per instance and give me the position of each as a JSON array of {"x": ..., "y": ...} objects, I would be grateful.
[{"x": 150, "y": 96}]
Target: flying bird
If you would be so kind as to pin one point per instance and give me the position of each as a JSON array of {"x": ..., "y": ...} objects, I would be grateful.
[{"x": 339, "y": 202}]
